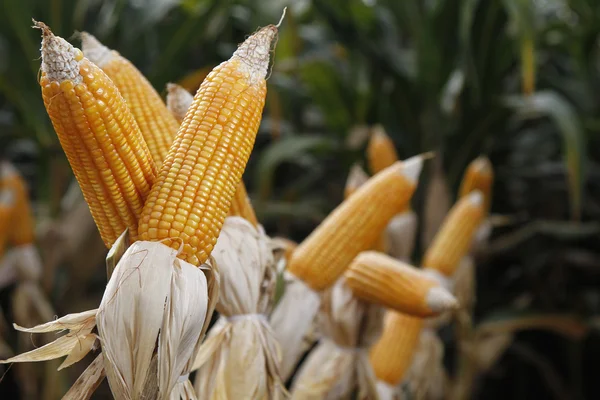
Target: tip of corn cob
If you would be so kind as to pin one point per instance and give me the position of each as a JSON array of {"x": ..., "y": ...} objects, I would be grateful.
[
  {"x": 356, "y": 178},
  {"x": 482, "y": 164},
  {"x": 411, "y": 168},
  {"x": 441, "y": 300},
  {"x": 254, "y": 54},
  {"x": 178, "y": 100},
  {"x": 60, "y": 60},
  {"x": 95, "y": 51},
  {"x": 7, "y": 197},
  {"x": 476, "y": 198}
]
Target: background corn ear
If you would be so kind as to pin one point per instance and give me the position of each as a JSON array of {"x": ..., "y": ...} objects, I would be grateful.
[
  {"x": 355, "y": 225},
  {"x": 381, "y": 152},
  {"x": 7, "y": 206},
  {"x": 453, "y": 240},
  {"x": 378, "y": 278},
  {"x": 479, "y": 175},
  {"x": 192, "y": 195},
  {"x": 392, "y": 355},
  {"x": 156, "y": 122},
  {"x": 22, "y": 226},
  {"x": 99, "y": 135},
  {"x": 241, "y": 206}
]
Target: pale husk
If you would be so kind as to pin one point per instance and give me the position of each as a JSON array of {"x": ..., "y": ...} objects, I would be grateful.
[
  {"x": 240, "y": 358},
  {"x": 401, "y": 235},
  {"x": 293, "y": 333},
  {"x": 339, "y": 365},
  {"x": 152, "y": 297},
  {"x": 426, "y": 378}
]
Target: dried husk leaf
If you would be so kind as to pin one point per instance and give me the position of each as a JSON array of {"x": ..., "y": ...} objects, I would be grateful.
[
  {"x": 292, "y": 332},
  {"x": 426, "y": 377},
  {"x": 339, "y": 366},
  {"x": 401, "y": 235},
  {"x": 88, "y": 381},
  {"x": 151, "y": 291},
  {"x": 75, "y": 344},
  {"x": 437, "y": 202},
  {"x": 240, "y": 358}
]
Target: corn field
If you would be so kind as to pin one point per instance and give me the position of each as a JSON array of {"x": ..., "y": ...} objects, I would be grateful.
[{"x": 363, "y": 199}]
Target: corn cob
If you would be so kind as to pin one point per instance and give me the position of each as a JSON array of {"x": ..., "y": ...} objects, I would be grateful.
[
  {"x": 241, "y": 206},
  {"x": 355, "y": 225},
  {"x": 392, "y": 354},
  {"x": 178, "y": 100},
  {"x": 22, "y": 230},
  {"x": 192, "y": 195},
  {"x": 356, "y": 178},
  {"x": 7, "y": 206},
  {"x": 453, "y": 240},
  {"x": 479, "y": 175},
  {"x": 99, "y": 135},
  {"x": 381, "y": 152},
  {"x": 380, "y": 279},
  {"x": 157, "y": 124}
]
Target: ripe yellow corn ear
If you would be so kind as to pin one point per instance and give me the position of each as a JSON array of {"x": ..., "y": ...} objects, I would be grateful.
[
  {"x": 392, "y": 355},
  {"x": 193, "y": 192},
  {"x": 454, "y": 238},
  {"x": 356, "y": 178},
  {"x": 381, "y": 152},
  {"x": 22, "y": 226},
  {"x": 380, "y": 279},
  {"x": 355, "y": 225},
  {"x": 157, "y": 124},
  {"x": 241, "y": 206},
  {"x": 479, "y": 175},
  {"x": 178, "y": 100},
  {"x": 99, "y": 135}
]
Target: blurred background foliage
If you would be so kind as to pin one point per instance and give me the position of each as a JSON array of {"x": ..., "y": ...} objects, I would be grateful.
[{"x": 516, "y": 80}]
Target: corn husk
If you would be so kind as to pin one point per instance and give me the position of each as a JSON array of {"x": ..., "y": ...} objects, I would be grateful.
[
  {"x": 87, "y": 383},
  {"x": 152, "y": 298},
  {"x": 240, "y": 358},
  {"x": 339, "y": 365},
  {"x": 426, "y": 377},
  {"x": 294, "y": 334},
  {"x": 401, "y": 235}
]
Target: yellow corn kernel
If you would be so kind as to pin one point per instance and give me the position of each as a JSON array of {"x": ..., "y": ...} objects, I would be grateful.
[
  {"x": 178, "y": 100},
  {"x": 392, "y": 354},
  {"x": 380, "y": 279},
  {"x": 479, "y": 175},
  {"x": 157, "y": 124},
  {"x": 356, "y": 178},
  {"x": 241, "y": 206},
  {"x": 22, "y": 227},
  {"x": 453, "y": 240},
  {"x": 381, "y": 152},
  {"x": 99, "y": 135},
  {"x": 7, "y": 207},
  {"x": 193, "y": 192},
  {"x": 355, "y": 225}
]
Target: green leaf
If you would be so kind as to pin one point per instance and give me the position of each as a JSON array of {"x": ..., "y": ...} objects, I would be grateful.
[
  {"x": 288, "y": 149},
  {"x": 554, "y": 106}
]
